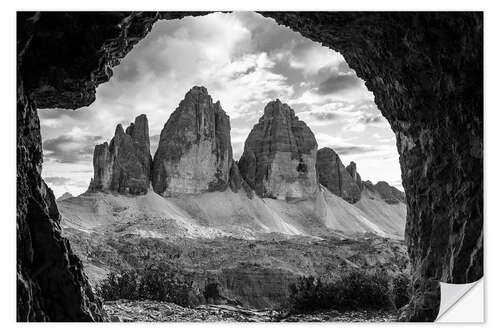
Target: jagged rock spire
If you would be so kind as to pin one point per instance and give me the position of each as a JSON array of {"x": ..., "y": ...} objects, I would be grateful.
[
  {"x": 124, "y": 165},
  {"x": 194, "y": 153}
]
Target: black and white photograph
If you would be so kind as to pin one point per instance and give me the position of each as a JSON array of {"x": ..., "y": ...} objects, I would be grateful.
[{"x": 247, "y": 165}]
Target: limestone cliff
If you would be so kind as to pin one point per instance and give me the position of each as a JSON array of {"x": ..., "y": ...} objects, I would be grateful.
[
  {"x": 279, "y": 158},
  {"x": 352, "y": 170},
  {"x": 194, "y": 154},
  {"x": 333, "y": 175},
  {"x": 124, "y": 165}
]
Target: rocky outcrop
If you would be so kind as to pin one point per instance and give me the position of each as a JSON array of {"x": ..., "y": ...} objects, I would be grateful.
[
  {"x": 236, "y": 182},
  {"x": 346, "y": 182},
  {"x": 194, "y": 154},
  {"x": 333, "y": 175},
  {"x": 432, "y": 99},
  {"x": 388, "y": 193},
  {"x": 279, "y": 158},
  {"x": 124, "y": 165},
  {"x": 353, "y": 172},
  {"x": 64, "y": 196}
]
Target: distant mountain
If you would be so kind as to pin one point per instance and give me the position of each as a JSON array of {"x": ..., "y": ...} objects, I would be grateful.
[
  {"x": 64, "y": 196},
  {"x": 280, "y": 184}
]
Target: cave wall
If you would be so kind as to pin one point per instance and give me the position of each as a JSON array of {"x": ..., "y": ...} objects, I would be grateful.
[{"x": 425, "y": 70}]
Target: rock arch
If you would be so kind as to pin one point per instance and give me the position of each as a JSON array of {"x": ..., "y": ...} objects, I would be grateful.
[{"x": 425, "y": 70}]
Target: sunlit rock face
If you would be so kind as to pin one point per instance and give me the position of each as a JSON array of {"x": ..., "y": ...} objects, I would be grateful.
[
  {"x": 124, "y": 165},
  {"x": 333, "y": 175},
  {"x": 194, "y": 153},
  {"x": 279, "y": 159}
]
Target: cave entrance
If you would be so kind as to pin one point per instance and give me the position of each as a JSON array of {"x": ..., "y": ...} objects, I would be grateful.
[
  {"x": 433, "y": 103},
  {"x": 247, "y": 62}
]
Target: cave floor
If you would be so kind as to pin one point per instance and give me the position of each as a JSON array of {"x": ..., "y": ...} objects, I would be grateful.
[{"x": 152, "y": 311}]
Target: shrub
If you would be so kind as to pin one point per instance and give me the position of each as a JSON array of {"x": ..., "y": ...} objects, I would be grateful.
[
  {"x": 355, "y": 290},
  {"x": 155, "y": 284},
  {"x": 124, "y": 285},
  {"x": 401, "y": 290}
]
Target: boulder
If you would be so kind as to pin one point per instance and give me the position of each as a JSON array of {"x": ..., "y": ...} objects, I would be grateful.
[
  {"x": 279, "y": 158},
  {"x": 333, "y": 175},
  {"x": 124, "y": 165},
  {"x": 194, "y": 154}
]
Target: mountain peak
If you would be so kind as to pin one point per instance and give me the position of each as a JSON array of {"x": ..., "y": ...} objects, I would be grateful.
[
  {"x": 276, "y": 109},
  {"x": 124, "y": 165},
  {"x": 280, "y": 155},
  {"x": 197, "y": 90},
  {"x": 194, "y": 154}
]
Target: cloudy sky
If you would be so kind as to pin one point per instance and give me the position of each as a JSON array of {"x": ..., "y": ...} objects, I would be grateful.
[{"x": 245, "y": 61}]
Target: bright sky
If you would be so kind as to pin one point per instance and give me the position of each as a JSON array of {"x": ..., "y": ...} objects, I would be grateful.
[{"x": 245, "y": 61}]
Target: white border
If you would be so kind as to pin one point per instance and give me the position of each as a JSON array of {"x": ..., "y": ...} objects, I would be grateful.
[{"x": 8, "y": 138}]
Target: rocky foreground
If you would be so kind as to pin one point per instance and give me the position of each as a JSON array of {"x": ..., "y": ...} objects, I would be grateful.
[{"x": 150, "y": 311}]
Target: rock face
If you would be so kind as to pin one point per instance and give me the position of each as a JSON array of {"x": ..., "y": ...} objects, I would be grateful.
[
  {"x": 51, "y": 284},
  {"x": 279, "y": 157},
  {"x": 388, "y": 193},
  {"x": 236, "y": 182},
  {"x": 353, "y": 172},
  {"x": 194, "y": 154},
  {"x": 333, "y": 175},
  {"x": 434, "y": 104},
  {"x": 124, "y": 165}
]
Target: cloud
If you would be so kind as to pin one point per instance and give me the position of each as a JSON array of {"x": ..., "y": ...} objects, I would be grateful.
[
  {"x": 338, "y": 82},
  {"x": 353, "y": 150},
  {"x": 68, "y": 148},
  {"x": 375, "y": 119},
  {"x": 57, "y": 181}
]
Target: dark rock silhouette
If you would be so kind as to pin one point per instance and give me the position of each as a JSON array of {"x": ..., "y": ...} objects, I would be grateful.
[
  {"x": 279, "y": 157},
  {"x": 194, "y": 154},
  {"x": 434, "y": 104},
  {"x": 333, "y": 175},
  {"x": 124, "y": 165},
  {"x": 51, "y": 284}
]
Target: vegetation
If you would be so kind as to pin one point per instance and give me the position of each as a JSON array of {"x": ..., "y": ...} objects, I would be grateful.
[
  {"x": 401, "y": 290},
  {"x": 355, "y": 290},
  {"x": 154, "y": 283}
]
